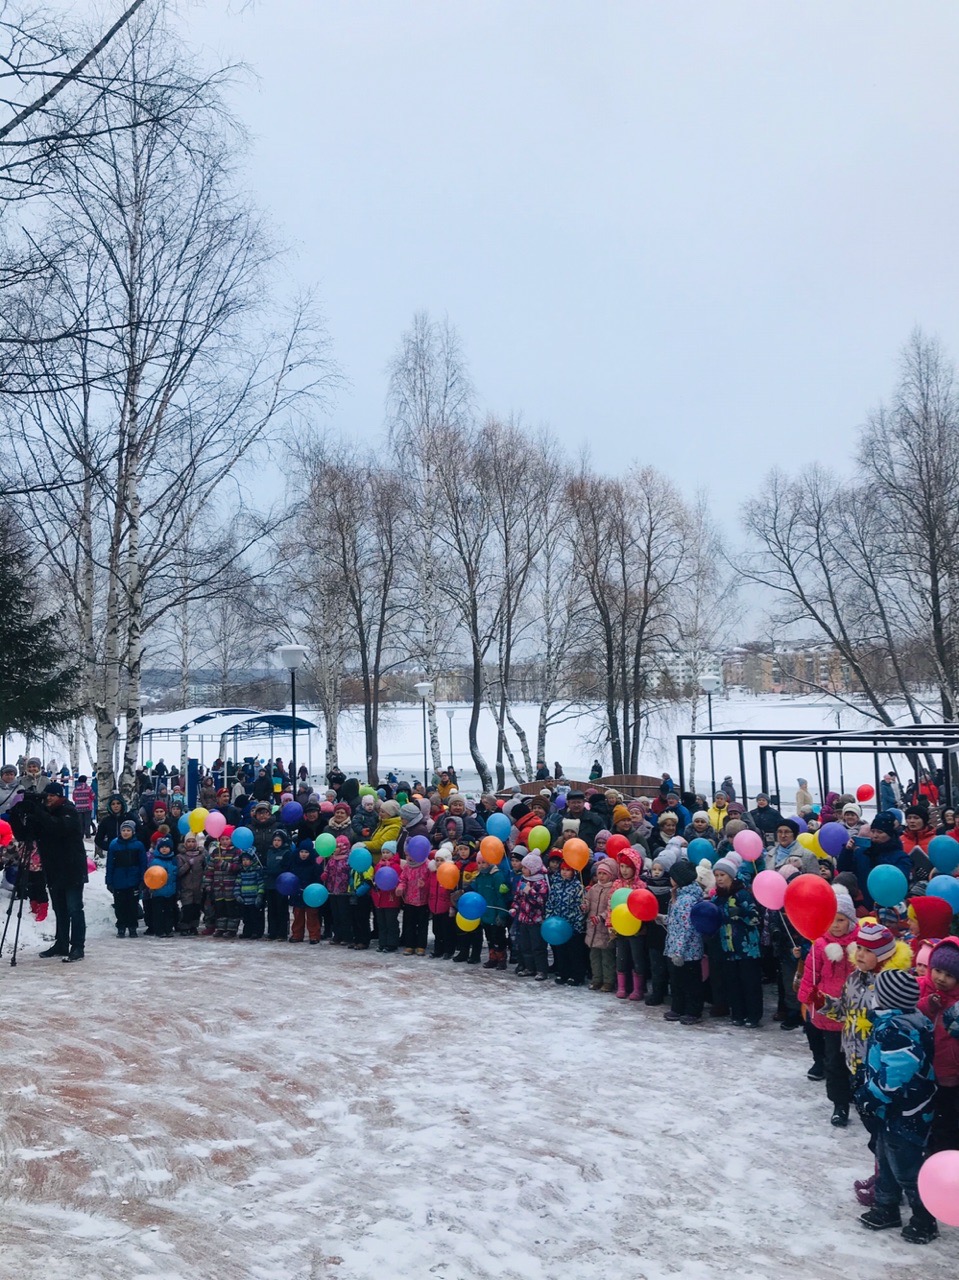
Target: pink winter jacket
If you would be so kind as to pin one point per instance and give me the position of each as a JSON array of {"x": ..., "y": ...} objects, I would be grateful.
[
  {"x": 414, "y": 886},
  {"x": 827, "y": 974},
  {"x": 386, "y": 897},
  {"x": 438, "y": 897}
]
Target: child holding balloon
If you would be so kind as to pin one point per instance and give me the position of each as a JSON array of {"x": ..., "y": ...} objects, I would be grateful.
[
  {"x": 386, "y": 905},
  {"x": 163, "y": 895},
  {"x": 126, "y": 865},
  {"x": 629, "y": 952},
  {"x": 529, "y": 911},
  {"x": 306, "y": 919},
  {"x": 940, "y": 1004},
  {"x": 413, "y": 890},
  {"x": 189, "y": 883},
  {"x": 826, "y": 968},
  {"x": 599, "y": 941},
  {"x": 444, "y": 877},
  {"x": 249, "y": 893},
  {"x": 565, "y": 900},
  {"x": 223, "y": 864},
  {"x": 740, "y": 943}
]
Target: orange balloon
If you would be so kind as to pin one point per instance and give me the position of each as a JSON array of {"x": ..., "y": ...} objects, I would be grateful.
[
  {"x": 448, "y": 875},
  {"x": 492, "y": 849},
  {"x": 154, "y": 877},
  {"x": 576, "y": 853}
]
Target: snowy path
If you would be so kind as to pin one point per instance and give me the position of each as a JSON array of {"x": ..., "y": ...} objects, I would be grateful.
[{"x": 202, "y": 1108}]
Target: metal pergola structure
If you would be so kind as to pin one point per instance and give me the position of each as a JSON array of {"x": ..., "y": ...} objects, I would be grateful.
[
  {"x": 243, "y": 724},
  {"x": 881, "y": 744}
]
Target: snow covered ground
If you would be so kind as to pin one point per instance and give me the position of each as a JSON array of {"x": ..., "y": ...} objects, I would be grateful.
[{"x": 201, "y": 1108}]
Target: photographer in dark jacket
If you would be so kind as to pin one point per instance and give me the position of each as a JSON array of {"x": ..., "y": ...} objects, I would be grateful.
[{"x": 58, "y": 830}]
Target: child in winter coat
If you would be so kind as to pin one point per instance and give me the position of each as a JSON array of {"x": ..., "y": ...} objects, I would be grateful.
[
  {"x": 126, "y": 863},
  {"x": 303, "y": 864},
  {"x": 189, "y": 883},
  {"x": 826, "y": 968},
  {"x": 336, "y": 877},
  {"x": 276, "y": 861},
  {"x": 491, "y": 884},
  {"x": 684, "y": 947},
  {"x": 469, "y": 942},
  {"x": 739, "y": 940},
  {"x": 629, "y": 951},
  {"x": 249, "y": 893},
  {"x": 413, "y": 891},
  {"x": 529, "y": 911},
  {"x": 222, "y": 868},
  {"x": 439, "y": 905},
  {"x": 652, "y": 936},
  {"x": 164, "y": 898},
  {"x": 941, "y": 1007},
  {"x": 787, "y": 949},
  {"x": 894, "y": 1096},
  {"x": 602, "y": 947},
  {"x": 386, "y": 905},
  {"x": 566, "y": 899},
  {"x": 361, "y": 905}
]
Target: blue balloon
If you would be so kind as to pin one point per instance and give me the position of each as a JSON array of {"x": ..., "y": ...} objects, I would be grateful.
[
  {"x": 183, "y": 826},
  {"x": 243, "y": 839},
  {"x": 360, "y": 860},
  {"x": 314, "y": 895},
  {"x": 886, "y": 885},
  {"x": 291, "y": 812},
  {"x": 944, "y": 887},
  {"x": 287, "y": 883},
  {"x": 700, "y": 848},
  {"x": 386, "y": 878},
  {"x": 362, "y": 888},
  {"x": 555, "y": 930},
  {"x": 705, "y": 917},
  {"x": 944, "y": 853},
  {"x": 497, "y": 824},
  {"x": 471, "y": 906}
]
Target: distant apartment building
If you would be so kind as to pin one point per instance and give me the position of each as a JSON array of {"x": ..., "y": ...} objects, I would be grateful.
[{"x": 789, "y": 668}]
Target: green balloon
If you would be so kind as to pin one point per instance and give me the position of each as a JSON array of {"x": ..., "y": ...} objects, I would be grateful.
[
  {"x": 324, "y": 845},
  {"x": 619, "y": 897},
  {"x": 367, "y": 791},
  {"x": 538, "y": 839}
]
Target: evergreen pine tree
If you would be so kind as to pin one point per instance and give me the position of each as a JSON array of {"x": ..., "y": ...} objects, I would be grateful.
[{"x": 38, "y": 680}]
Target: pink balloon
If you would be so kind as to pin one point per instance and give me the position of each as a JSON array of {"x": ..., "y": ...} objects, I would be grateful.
[
  {"x": 91, "y": 865},
  {"x": 214, "y": 824},
  {"x": 769, "y": 888},
  {"x": 749, "y": 845},
  {"x": 939, "y": 1186}
]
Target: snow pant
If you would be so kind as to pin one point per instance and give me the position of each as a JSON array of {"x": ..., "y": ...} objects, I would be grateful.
[
  {"x": 570, "y": 959},
  {"x": 717, "y": 994},
  {"x": 342, "y": 920},
  {"x": 71, "y": 922},
  {"x": 469, "y": 942},
  {"x": 125, "y": 908},
  {"x": 252, "y": 916},
  {"x": 308, "y": 919},
  {"x": 686, "y": 988},
  {"x": 226, "y": 915},
  {"x": 629, "y": 955},
  {"x": 189, "y": 917},
  {"x": 277, "y": 914},
  {"x": 388, "y": 925},
  {"x": 416, "y": 923},
  {"x": 744, "y": 988},
  {"x": 164, "y": 915},
  {"x": 657, "y": 971},
  {"x": 790, "y": 1001},
  {"x": 816, "y": 1039},
  {"x": 495, "y": 936},
  {"x": 86, "y": 821},
  {"x": 838, "y": 1080},
  {"x": 945, "y": 1123},
  {"x": 147, "y": 908},
  {"x": 602, "y": 962},
  {"x": 898, "y": 1162},
  {"x": 360, "y": 907},
  {"x": 443, "y": 938},
  {"x": 532, "y": 948}
]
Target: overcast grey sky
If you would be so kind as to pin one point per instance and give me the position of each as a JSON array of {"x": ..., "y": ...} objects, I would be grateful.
[{"x": 693, "y": 233}]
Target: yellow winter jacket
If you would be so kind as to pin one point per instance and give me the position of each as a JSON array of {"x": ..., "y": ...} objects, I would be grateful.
[{"x": 388, "y": 829}]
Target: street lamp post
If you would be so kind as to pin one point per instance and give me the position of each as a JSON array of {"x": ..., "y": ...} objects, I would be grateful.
[
  {"x": 449, "y": 716},
  {"x": 292, "y": 657},
  {"x": 424, "y": 688},
  {"x": 709, "y": 685}
]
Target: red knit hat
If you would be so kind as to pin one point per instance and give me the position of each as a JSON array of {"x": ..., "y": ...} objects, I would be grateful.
[{"x": 933, "y": 916}]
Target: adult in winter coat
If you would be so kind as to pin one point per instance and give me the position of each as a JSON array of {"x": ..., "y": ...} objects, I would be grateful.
[
  {"x": 263, "y": 786},
  {"x": 803, "y": 794},
  {"x": 263, "y": 823},
  {"x": 473, "y": 828},
  {"x": 388, "y": 828},
  {"x": 108, "y": 828},
  {"x": 598, "y": 817},
  {"x": 729, "y": 787},
  {"x": 766, "y": 818},
  {"x": 9, "y": 789},
  {"x": 412, "y": 823},
  {"x": 58, "y": 831},
  {"x": 890, "y": 792},
  {"x": 885, "y": 849}
]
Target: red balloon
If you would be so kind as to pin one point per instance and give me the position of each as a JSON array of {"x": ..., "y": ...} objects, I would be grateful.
[
  {"x": 616, "y": 844},
  {"x": 643, "y": 905},
  {"x": 865, "y": 792},
  {"x": 6, "y": 833},
  {"x": 810, "y": 905}
]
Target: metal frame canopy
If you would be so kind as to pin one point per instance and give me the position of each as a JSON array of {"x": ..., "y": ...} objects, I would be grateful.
[
  {"x": 883, "y": 744},
  {"x": 203, "y": 725}
]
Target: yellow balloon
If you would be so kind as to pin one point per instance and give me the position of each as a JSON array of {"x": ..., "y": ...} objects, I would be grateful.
[
  {"x": 197, "y": 819},
  {"x": 466, "y": 925},
  {"x": 809, "y": 840},
  {"x": 538, "y": 839},
  {"x": 624, "y": 922}
]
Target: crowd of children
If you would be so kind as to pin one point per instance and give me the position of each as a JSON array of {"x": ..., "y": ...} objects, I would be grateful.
[{"x": 877, "y": 994}]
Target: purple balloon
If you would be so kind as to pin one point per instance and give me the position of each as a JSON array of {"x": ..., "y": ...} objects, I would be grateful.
[
  {"x": 418, "y": 849},
  {"x": 291, "y": 812},
  {"x": 834, "y": 837},
  {"x": 801, "y": 823},
  {"x": 386, "y": 878},
  {"x": 560, "y": 800},
  {"x": 287, "y": 884}
]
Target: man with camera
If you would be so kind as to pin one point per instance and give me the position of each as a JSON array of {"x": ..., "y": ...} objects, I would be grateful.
[{"x": 56, "y": 826}]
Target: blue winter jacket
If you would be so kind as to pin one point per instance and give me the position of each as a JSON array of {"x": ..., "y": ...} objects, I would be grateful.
[
  {"x": 897, "y": 1084},
  {"x": 168, "y": 863},
  {"x": 739, "y": 929},
  {"x": 126, "y": 863},
  {"x": 683, "y": 942},
  {"x": 565, "y": 900}
]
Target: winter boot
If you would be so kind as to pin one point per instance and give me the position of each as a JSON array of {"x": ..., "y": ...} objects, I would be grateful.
[
  {"x": 501, "y": 962},
  {"x": 460, "y": 958},
  {"x": 621, "y": 986},
  {"x": 596, "y": 984},
  {"x": 52, "y": 951},
  {"x": 840, "y": 1115},
  {"x": 639, "y": 987},
  {"x": 866, "y": 1191},
  {"x": 922, "y": 1228},
  {"x": 881, "y": 1217},
  {"x": 494, "y": 959}
]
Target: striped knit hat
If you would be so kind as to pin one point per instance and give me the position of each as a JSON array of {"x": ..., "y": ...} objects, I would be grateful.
[
  {"x": 897, "y": 989},
  {"x": 876, "y": 938}
]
